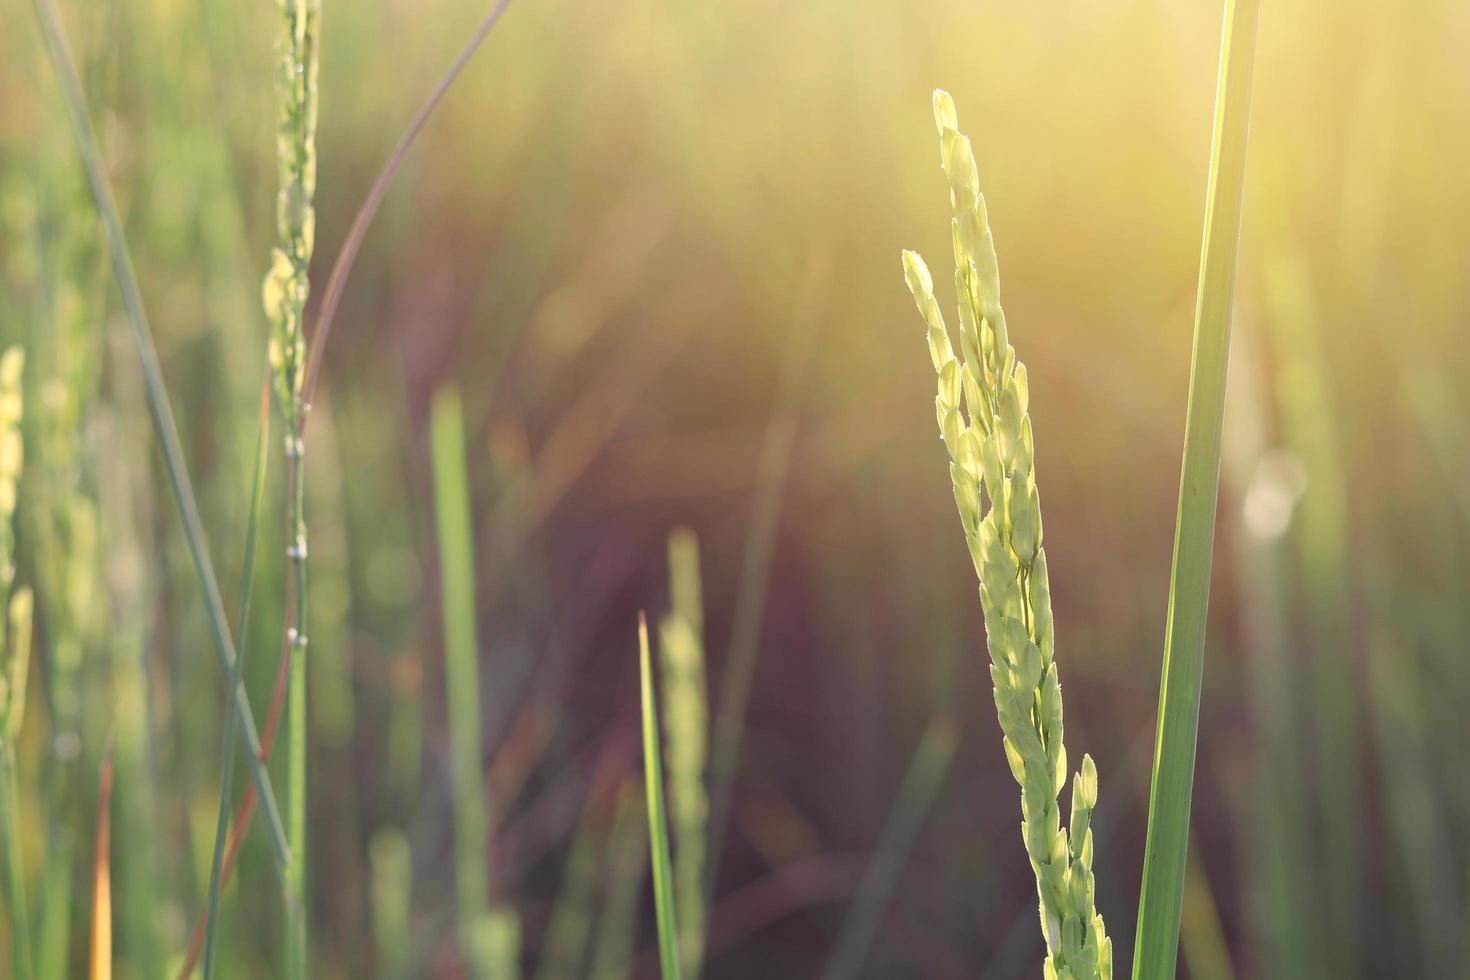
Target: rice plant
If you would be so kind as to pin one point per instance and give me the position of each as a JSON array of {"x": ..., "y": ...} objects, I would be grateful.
[
  {"x": 285, "y": 292},
  {"x": 991, "y": 450}
]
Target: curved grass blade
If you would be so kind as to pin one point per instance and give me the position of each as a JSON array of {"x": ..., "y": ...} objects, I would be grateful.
[
  {"x": 1156, "y": 948},
  {"x": 232, "y": 715},
  {"x": 658, "y": 824},
  {"x": 337, "y": 281},
  {"x": 159, "y": 411}
]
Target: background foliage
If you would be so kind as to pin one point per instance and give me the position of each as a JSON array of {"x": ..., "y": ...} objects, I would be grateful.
[{"x": 623, "y": 224}]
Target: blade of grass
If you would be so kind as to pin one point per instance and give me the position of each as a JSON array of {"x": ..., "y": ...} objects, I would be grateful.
[
  {"x": 1156, "y": 947},
  {"x": 246, "y": 809},
  {"x": 461, "y": 665},
  {"x": 232, "y": 717},
  {"x": 921, "y": 784},
  {"x": 658, "y": 825},
  {"x": 159, "y": 411}
]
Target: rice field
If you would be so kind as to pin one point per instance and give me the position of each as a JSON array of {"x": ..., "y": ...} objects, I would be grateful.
[{"x": 471, "y": 504}]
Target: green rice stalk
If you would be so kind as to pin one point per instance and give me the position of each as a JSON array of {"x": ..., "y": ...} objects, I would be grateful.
[
  {"x": 1157, "y": 943},
  {"x": 990, "y": 448},
  {"x": 15, "y": 655},
  {"x": 159, "y": 410},
  {"x": 284, "y": 294},
  {"x": 658, "y": 825},
  {"x": 686, "y": 724},
  {"x": 921, "y": 785},
  {"x": 227, "y": 749}
]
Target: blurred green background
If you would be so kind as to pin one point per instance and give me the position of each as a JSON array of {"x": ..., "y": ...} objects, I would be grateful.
[{"x": 655, "y": 245}]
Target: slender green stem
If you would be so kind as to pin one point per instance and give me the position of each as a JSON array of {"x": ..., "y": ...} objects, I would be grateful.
[
  {"x": 461, "y": 660},
  {"x": 658, "y": 823},
  {"x": 296, "y": 707},
  {"x": 20, "y": 930},
  {"x": 160, "y": 413},
  {"x": 232, "y": 718},
  {"x": 1156, "y": 948}
]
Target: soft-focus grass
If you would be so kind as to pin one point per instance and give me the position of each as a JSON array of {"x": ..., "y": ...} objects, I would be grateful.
[
  {"x": 603, "y": 239},
  {"x": 665, "y": 902}
]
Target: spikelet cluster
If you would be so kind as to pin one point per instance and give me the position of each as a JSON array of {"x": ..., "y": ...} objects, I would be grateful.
[
  {"x": 686, "y": 722},
  {"x": 15, "y": 648},
  {"x": 286, "y": 286},
  {"x": 983, "y": 418}
]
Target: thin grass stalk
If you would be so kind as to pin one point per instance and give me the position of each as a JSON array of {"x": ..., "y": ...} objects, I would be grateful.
[
  {"x": 455, "y": 527},
  {"x": 337, "y": 281},
  {"x": 284, "y": 293},
  {"x": 159, "y": 411},
  {"x": 658, "y": 823},
  {"x": 227, "y": 749},
  {"x": 1157, "y": 942},
  {"x": 992, "y": 451},
  {"x": 916, "y": 794},
  {"x": 246, "y": 810}
]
